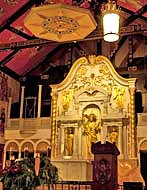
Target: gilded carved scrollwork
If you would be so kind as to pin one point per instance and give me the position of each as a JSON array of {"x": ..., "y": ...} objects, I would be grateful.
[
  {"x": 94, "y": 81},
  {"x": 99, "y": 76},
  {"x": 92, "y": 59}
]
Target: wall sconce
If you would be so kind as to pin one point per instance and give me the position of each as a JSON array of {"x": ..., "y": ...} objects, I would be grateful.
[{"x": 110, "y": 21}]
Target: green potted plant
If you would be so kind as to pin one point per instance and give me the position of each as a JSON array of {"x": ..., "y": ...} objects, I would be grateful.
[{"x": 21, "y": 174}]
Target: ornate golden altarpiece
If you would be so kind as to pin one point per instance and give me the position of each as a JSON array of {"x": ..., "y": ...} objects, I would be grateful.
[{"x": 93, "y": 103}]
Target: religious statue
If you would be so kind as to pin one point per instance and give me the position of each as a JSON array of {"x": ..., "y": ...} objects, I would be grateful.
[
  {"x": 66, "y": 100},
  {"x": 68, "y": 141},
  {"x": 119, "y": 96},
  {"x": 113, "y": 136},
  {"x": 91, "y": 128}
]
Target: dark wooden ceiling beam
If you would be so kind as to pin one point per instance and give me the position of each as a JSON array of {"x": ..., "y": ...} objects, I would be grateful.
[
  {"x": 10, "y": 73},
  {"x": 135, "y": 47},
  {"x": 82, "y": 50},
  {"x": 20, "y": 33},
  {"x": 85, "y": 48},
  {"x": 125, "y": 71},
  {"x": 47, "y": 58},
  {"x": 135, "y": 15},
  {"x": 8, "y": 58},
  {"x": 17, "y": 14},
  {"x": 129, "y": 20},
  {"x": 120, "y": 43},
  {"x": 131, "y": 13},
  {"x": 125, "y": 31}
]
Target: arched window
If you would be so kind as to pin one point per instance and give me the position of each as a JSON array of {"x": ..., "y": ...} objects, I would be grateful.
[
  {"x": 44, "y": 149},
  {"x": 11, "y": 153},
  {"x": 27, "y": 150}
]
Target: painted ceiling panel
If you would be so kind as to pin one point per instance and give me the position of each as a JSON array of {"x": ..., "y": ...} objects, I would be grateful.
[
  {"x": 6, "y": 36},
  {"x": 9, "y": 7},
  {"x": 19, "y": 23},
  {"x": 145, "y": 14},
  {"x": 55, "y": 61},
  {"x": 28, "y": 58},
  {"x": 133, "y": 5},
  {"x": 4, "y": 54}
]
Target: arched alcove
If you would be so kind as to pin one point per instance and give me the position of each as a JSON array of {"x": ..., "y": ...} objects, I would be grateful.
[
  {"x": 27, "y": 150},
  {"x": 43, "y": 148},
  {"x": 143, "y": 146},
  {"x": 12, "y": 151}
]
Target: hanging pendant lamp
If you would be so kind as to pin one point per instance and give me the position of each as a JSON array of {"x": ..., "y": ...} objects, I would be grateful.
[{"x": 110, "y": 21}]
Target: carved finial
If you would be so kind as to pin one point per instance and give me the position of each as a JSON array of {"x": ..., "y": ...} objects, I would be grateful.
[{"x": 92, "y": 59}]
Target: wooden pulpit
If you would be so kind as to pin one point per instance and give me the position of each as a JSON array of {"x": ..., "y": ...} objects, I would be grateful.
[{"x": 105, "y": 174}]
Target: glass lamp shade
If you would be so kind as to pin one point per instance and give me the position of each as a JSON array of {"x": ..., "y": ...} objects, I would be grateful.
[{"x": 111, "y": 27}]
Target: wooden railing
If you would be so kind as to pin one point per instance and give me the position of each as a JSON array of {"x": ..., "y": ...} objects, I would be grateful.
[
  {"x": 68, "y": 185},
  {"x": 29, "y": 124},
  {"x": 72, "y": 185}
]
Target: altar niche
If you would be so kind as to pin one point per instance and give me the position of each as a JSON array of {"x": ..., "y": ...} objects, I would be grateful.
[
  {"x": 91, "y": 125},
  {"x": 93, "y": 103},
  {"x": 68, "y": 142}
]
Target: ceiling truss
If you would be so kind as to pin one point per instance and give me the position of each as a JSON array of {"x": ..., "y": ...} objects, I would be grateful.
[{"x": 32, "y": 41}]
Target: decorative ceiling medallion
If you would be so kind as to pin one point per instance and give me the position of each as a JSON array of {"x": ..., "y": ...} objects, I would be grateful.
[
  {"x": 60, "y": 25},
  {"x": 60, "y": 22},
  {"x": 11, "y": 2}
]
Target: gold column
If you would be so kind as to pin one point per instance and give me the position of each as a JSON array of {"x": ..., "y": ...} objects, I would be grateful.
[
  {"x": 53, "y": 124},
  {"x": 132, "y": 122}
]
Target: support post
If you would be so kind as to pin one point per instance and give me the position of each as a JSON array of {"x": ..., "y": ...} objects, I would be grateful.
[
  {"x": 39, "y": 100},
  {"x": 22, "y": 101}
]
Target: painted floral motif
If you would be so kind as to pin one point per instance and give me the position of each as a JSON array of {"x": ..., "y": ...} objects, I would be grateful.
[
  {"x": 11, "y": 2},
  {"x": 60, "y": 25},
  {"x": 1, "y": 11}
]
